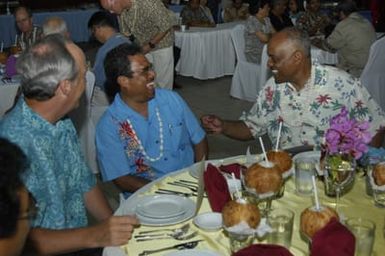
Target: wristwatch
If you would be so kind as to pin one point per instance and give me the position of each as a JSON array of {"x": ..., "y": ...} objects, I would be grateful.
[{"x": 152, "y": 45}]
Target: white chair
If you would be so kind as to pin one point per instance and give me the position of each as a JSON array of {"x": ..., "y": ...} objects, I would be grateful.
[
  {"x": 245, "y": 83},
  {"x": 373, "y": 75}
]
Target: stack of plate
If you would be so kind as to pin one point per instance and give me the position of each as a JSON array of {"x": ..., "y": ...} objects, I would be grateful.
[{"x": 162, "y": 210}]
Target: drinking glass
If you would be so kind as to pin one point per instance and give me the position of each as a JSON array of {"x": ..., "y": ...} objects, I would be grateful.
[
  {"x": 363, "y": 230},
  {"x": 239, "y": 241},
  {"x": 281, "y": 222},
  {"x": 305, "y": 168}
]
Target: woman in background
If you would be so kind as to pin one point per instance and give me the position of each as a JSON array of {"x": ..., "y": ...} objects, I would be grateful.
[
  {"x": 295, "y": 10},
  {"x": 278, "y": 17}
]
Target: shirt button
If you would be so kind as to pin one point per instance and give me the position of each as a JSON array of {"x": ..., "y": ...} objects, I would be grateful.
[
  {"x": 165, "y": 159},
  {"x": 157, "y": 141},
  {"x": 300, "y": 113},
  {"x": 303, "y": 132}
]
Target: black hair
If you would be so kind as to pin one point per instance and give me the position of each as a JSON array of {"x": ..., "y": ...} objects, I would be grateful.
[
  {"x": 29, "y": 12},
  {"x": 117, "y": 63},
  {"x": 347, "y": 7},
  {"x": 256, "y": 5},
  {"x": 102, "y": 18},
  {"x": 12, "y": 163}
]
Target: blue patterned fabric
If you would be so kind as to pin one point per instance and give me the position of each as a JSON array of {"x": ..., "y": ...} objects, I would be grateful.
[
  {"x": 58, "y": 176},
  {"x": 306, "y": 113}
]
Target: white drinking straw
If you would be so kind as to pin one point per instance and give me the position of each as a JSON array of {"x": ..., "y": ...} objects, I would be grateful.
[
  {"x": 278, "y": 136},
  {"x": 16, "y": 39},
  {"x": 236, "y": 186},
  {"x": 2, "y": 46},
  {"x": 263, "y": 149},
  {"x": 315, "y": 193}
]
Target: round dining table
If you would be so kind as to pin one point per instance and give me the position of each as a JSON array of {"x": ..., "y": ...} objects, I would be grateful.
[
  {"x": 356, "y": 203},
  {"x": 8, "y": 92}
]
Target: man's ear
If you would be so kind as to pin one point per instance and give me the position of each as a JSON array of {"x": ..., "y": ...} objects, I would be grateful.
[
  {"x": 298, "y": 56},
  {"x": 64, "y": 87},
  {"x": 122, "y": 81}
]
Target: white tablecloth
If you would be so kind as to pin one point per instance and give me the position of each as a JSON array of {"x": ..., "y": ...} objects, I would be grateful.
[
  {"x": 8, "y": 92},
  {"x": 206, "y": 52}
]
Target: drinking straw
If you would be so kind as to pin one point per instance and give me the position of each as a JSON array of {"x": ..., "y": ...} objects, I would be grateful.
[
  {"x": 263, "y": 149},
  {"x": 315, "y": 193},
  {"x": 236, "y": 186},
  {"x": 2, "y": 46},
  {"x": 16, "y": 39},
  {"x": 278, "y": 136}
]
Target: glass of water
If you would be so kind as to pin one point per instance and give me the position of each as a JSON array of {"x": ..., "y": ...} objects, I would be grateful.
[
  {"x": 304, "y": 170},
  {"x": 281, "y": 222},
  {"x": 363, "y": 230}
]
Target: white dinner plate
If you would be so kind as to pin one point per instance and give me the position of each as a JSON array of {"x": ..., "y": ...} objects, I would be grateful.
[
  {"x": 316, "y": 155},
  {"x": 296, "y": 251},
  {"x": 193, "y": 252},
  {"x": 152, "y": 203}
]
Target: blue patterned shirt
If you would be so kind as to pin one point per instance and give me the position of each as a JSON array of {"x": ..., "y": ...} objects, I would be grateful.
[
  {"x": 58, "y": 176},
  {"x": 306, "y": 113}
]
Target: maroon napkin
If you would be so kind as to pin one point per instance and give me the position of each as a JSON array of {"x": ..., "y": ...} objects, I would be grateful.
[
  {"x": 232, "y": 168},
  {"x": 216, "y": 188},
  {"x": 333, "y": 240},
  {"x": 263, "y": 250}
]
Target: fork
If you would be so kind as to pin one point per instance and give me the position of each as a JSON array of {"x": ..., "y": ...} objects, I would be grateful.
[
  {"x": 191, "y": 187},
  {"x": 188, "y": 245},
  {"x": 183, "y": 228},
  {"x": 176, "y": 236}
]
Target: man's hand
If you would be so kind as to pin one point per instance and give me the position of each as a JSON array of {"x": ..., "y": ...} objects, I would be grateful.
[
  {"x": 115, "y": 231},
  {"x": 212, "y": 124}
]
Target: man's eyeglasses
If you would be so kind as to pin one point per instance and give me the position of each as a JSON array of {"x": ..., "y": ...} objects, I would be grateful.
[
  {"x": 145, "y": 70},
  {"x": 31, "y": 212}
]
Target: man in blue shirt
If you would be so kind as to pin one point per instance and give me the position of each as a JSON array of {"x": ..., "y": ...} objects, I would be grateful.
[
  {"x": 53, "y": 79},
  {"x": 146, "y": 132}
]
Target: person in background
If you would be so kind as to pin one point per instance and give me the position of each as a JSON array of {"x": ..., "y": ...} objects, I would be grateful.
[
  {"x": 236, "y": 12},
  {"x": 313, "y": 21},
  {"x": 53, "y": 79},
  {"x": 301, "y": 95},
  {"x": 295, "y": 10},
  {"x": 351, "y": 39},
  {"x": 103, "y": 29},
  {"x": 53, "y": 25},
  {"x": 207, "y": 11},
  {"x": 278, "y": 17},
  {"x": 147, "y": 132},
  {"x": 194, "y": 15},
  {"x": 29, "y": 33},
  {"x": 15, "y": 209},
  {"x": 258, "y": 30},
  {"x": 147, "y": 23}
]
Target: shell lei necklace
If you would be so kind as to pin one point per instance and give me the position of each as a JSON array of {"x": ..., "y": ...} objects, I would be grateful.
[{"x": 135, "y": 137}]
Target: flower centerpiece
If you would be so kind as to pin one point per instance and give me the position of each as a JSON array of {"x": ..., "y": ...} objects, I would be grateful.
[{"x": 345, "y": 141}]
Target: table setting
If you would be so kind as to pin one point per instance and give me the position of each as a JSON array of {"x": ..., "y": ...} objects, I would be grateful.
[{"x": 207, "y": 208}]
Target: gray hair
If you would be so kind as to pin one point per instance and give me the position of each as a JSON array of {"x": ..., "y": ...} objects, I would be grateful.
[
  {"x": 299, "y": 38},
  {"x": 44, "y": 65},
  {"x": 53, "y": 25}
]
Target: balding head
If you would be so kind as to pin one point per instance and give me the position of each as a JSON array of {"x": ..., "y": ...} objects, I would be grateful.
[
  {"x": 23, "y": 17},
  {"x": 55, "y": 25},
  {"x": 116, "y": 6}
]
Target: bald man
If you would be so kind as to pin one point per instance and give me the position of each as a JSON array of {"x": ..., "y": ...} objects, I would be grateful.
[
  {"x": 304, "y": 97},
  {"x": 53, "y": 25}
]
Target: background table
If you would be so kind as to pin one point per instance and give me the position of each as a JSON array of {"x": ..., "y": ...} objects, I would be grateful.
[
  {"x": 354, "y": 204},
  {"x": 206, "y": 52},
  {"x": 76, "y": 20},
  {"x": 8, "y": 91}
]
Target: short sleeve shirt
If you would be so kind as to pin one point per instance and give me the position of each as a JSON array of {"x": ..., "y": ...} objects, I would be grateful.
[
  {"x": 118, "y": 151},
  {"x": 306, "y": 114},
  {"x": 58, "y": 176}
]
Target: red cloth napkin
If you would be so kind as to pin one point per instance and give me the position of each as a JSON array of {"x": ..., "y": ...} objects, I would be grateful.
[
  {"x": 263, "y": 250},
  {"x": 216, "y": 188},
  {"x": 232, "y": 168},
  {"x": 333, "y": 240}
]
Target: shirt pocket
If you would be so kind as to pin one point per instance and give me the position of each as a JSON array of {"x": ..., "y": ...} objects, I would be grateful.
[{"x": 178, "y": 135}]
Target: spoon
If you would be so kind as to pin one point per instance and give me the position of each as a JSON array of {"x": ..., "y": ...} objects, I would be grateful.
[
  {"x": 176, "y": 236},
  {"x": 188, "y": 245},
  {"x": 183, "y": 229}
]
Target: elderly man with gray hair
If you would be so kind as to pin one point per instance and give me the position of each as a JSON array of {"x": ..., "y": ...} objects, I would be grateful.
[
  {"x": 55, "y": 25},
  {"x": 52, "y": 80}
]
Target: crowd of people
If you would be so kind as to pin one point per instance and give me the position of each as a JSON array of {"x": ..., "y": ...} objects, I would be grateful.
[{"x": 147, "y": 130}]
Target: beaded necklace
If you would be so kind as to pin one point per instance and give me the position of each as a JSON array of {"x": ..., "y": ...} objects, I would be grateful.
[{"x": 135, "y": 137}]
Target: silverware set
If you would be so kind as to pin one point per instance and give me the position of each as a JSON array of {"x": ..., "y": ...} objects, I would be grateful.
[
  {"x": 184, "y": 184},
  {"x": 183, "y": 246},
  {"x": 182, "y": 229},
  {"x": 176, "y": 236},
  {"x": 173, "y": 192}
]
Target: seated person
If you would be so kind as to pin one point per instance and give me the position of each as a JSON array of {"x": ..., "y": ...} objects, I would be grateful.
[
  {"x": 351, "y": 39},
  {"x": 103, "y": 29},
  {"x": 258, "y": 31},
  {"x": 195, "y": 15},
  {"x": 303, "y": 96},
  {"x": 312, "y": 20},
  {"x": 295, "y": 10},
  {"x": 236, "y": 12},
  {"x": 53, "y": 79},
  {"x": 14, "y": 200},
  {"x": 146, "y": 132},
  {"x": 278, "y": 17},
  {"x": 55, "y": 25},
  {"x": 29, "y": 33}
]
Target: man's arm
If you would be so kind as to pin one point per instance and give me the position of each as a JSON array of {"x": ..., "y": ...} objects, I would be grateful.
[
  {"x": 201, "y": 150},
  {"x": 130, "y": 183},
  {"x": 97, "y": 204},
  {"x": 378, "y": 139},
  {"x": 114, "y": 231},
  {"x": 155, "y": 40}
]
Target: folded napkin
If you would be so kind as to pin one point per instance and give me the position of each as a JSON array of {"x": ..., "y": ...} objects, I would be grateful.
[
  {"x": 263, "y": 250},
  {"x": 216, "y": 188},
  {"x": 333, "y": 240},
  {"x": 232, "y": 168}
]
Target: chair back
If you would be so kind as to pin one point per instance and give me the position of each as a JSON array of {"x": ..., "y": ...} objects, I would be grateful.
[
  {"x": 373, "y": 75},
  {"x": 238, "y": 38},
  {"x": 90, "y": 79}
]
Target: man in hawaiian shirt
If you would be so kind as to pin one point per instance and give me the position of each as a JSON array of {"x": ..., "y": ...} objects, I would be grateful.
[
  {"x": 302, "y": 96},
  {"x": 53, "y": 79},
  {"x": 148, "y": 23},
  {"x": 146, "y": 132}
]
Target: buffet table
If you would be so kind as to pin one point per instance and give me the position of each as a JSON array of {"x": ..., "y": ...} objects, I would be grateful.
[
  {"x": 76, "y": 20},
  {"x": 206, "y": 52},
  {"x": 354, "y": 204}
]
